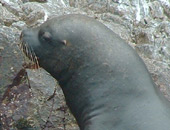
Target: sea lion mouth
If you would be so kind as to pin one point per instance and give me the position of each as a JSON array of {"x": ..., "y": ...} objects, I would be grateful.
[{"x": 28, "y": 51}]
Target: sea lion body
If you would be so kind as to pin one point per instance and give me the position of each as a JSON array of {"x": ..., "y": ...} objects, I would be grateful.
[{"x": 105, "y": 82}]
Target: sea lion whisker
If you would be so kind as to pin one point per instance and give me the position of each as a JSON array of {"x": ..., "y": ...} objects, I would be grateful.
[
  {"x": 26, "y": 51},
  {"x": 29, "y": 52},
  {"x": 34, "y": 57},
  {"x": 23, "y": 50}
]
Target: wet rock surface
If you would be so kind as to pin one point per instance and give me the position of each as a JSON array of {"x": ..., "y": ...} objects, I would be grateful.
[{"x": 31, "y": 98}]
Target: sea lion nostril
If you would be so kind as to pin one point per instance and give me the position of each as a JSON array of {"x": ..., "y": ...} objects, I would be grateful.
[{"x": 24, "y": 33}]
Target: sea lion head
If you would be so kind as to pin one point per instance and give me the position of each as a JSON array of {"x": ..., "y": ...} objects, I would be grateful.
[
  {"x": 42, "y": 40},
  {"x": 53, "y": 47}
]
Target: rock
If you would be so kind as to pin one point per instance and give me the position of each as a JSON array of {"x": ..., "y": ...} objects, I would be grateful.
[
  {"x": 7, "y": 17},
  {"x": 156, "y": 10}
]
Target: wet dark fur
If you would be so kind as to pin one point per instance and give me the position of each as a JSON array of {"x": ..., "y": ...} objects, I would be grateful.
[{"x": 105, "y": 82}]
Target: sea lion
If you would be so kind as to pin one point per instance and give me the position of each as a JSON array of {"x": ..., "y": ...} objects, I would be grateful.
[{"x": 106, "y": 84}]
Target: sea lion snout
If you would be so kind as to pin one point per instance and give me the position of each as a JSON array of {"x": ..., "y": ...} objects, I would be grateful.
[
  {"x": 26, "y": 33},
  {"x": 30, "y": 37}
]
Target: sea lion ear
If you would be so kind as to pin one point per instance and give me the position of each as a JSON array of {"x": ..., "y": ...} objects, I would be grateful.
[{"x": 66, "y": 42}]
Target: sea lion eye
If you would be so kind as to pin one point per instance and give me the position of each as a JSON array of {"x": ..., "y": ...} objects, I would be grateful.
[{"x": 46, "y": 36}]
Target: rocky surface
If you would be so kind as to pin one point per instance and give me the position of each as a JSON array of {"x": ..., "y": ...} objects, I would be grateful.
[{"x": 30, "y": 98}]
